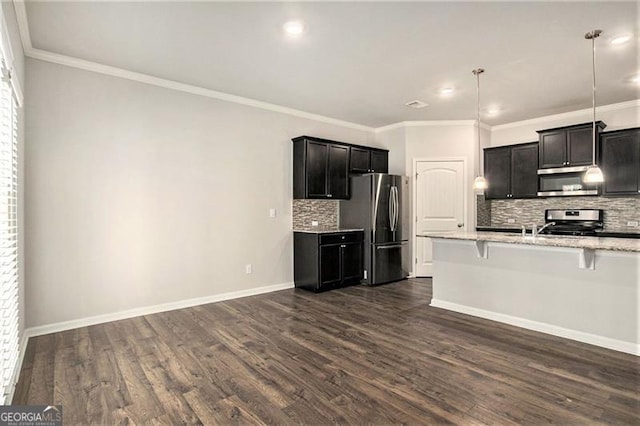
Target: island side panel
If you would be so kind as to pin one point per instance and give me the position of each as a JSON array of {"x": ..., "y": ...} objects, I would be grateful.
[{"x": 542, "y": 288}]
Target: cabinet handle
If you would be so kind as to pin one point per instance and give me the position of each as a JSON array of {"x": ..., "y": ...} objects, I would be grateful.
[
  {"x": 343, "y": 246},
  {"x": 329, "y": 195},
  {"x": 343, "y": 237}
]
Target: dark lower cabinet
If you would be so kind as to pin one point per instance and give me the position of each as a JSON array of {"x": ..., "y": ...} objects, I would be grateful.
[
  {"x": 620, "y": 162},
  {"x": 324, "y": 261}
]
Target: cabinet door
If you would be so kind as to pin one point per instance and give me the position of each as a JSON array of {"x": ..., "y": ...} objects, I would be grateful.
[
  {"x": 580, "y": 146},
  {"x": 497, "y": 171},
  {"x": 330, "y": 273},
  {"x": 379, "y": 162},
  {"x": 553, "y": 149},
  {"x": 316, "y": 161},
  {"x": 338, "y": 172},
  {"x": 524, "y": 171},
  {"x": 352, "y": 262},
  {"x": 359, "y": 162},
  {"x": 620, "y": 161}
]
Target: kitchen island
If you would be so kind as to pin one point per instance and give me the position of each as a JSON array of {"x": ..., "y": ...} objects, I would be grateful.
[{"x": 582, "y": 288}]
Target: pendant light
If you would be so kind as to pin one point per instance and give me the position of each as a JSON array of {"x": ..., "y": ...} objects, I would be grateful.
[
  {"x": 593, "y": 173},
  {"x": 479, "y": 183}
]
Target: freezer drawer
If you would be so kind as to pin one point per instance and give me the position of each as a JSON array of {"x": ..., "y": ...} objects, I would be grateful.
[{"x": 389, "y": 262}]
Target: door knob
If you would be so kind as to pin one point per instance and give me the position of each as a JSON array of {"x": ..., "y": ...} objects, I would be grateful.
[{"x": 460, "y": 225}]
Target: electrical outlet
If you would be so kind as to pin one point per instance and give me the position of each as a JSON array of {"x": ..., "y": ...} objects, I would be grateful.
[
  {"x": 314, "y": 223},
  {"x": 632, "y": 223},
  {"x": 247, "y": 268},
  {"x": 272, "y": 212},
  {"x": 511, "y": 221}
]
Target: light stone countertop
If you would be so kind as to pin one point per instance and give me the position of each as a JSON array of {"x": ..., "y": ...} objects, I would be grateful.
[
  {"x": 325, "y": 229},
  {"x": 594, "y": 243}
]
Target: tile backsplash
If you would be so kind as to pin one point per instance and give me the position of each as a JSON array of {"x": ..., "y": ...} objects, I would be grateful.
[
  {"x": 617, "y": 211},
  {"x": 306, "y": 211}
]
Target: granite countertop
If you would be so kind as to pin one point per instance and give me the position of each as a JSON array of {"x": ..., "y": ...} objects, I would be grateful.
[
  {"x": 518, "y": 230},
  {"x": 594, "y": 243},
  {"x": 325, "y": 229}
]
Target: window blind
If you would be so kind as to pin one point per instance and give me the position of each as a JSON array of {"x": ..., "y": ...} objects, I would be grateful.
[{"x": 9, "y": 308}]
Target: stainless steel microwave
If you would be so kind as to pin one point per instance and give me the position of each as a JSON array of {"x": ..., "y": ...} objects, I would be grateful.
[{"x": 564, "y": 181}]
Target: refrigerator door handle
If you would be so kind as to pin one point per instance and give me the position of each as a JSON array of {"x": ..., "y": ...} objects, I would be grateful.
[
  {"x": 391, "y": 208},
  {"x": 390, "y": 247},
  {"x": 397, "y": 202}
]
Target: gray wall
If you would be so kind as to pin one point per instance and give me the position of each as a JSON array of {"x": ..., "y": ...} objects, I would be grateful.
[{"x": 139, "y": 195}]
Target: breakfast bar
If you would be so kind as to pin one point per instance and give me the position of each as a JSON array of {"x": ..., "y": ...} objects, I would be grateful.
[{"x": 582, "y": 288}]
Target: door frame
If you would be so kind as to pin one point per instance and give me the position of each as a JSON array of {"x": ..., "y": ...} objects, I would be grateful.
[{"x": 414, "y": 200}]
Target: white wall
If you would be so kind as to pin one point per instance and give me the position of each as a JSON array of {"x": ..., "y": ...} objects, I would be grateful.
[
  {"x": 445, "y": 141},
  {"x": 139, "y": 195},
  {"x": 425, "y": 140},
  {"x": 395, "y": 141},
  {"x": 616, "y": 116}
]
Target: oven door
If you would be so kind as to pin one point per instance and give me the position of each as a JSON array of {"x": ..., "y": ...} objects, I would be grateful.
[{"x": 564, "y": 181}]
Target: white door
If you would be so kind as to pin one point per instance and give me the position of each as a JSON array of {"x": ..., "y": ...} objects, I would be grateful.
[{"x": 439, "y": 205}]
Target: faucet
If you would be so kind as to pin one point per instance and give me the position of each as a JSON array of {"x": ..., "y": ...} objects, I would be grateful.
[{"x": 535, "y": 231}]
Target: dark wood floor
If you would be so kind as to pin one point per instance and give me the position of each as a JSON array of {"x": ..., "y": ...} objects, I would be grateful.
[{"x": 358, "y": 355}]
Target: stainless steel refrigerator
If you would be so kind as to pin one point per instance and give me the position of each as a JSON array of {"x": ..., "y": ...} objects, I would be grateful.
[{"x": 380, "y": 205}]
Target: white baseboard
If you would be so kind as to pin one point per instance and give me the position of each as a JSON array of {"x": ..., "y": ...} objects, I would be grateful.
[
  {"x": 146, "y": 310},
  {"x": 580, "y": 336}
]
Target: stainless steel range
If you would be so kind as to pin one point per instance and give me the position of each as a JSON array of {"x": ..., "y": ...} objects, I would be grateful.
[{"x": 585, "y": 222}]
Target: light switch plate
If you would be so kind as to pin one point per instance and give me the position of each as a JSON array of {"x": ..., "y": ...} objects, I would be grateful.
[
  {"x": 314, "y": 223},
  {"x": 632, "y": 223},
  {"x": 511, "y": 221},
  {"x": 272, "y": 212}
]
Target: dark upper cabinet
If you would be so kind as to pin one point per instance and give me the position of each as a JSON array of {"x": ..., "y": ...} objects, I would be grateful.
[
  {"x": 320, "y": 169},
  {"x": 511, "y": 171},
  {"x": 524, "y": 170},
  {"x": 379, "y": 161},
  {"x": 497, "y": 171},
  {"x": 567, "y": 146},
  {"x": 338, "y": 166},
  {"x": 326, "y": 261},
  {"x": 360, "y": 160},
  {"x": 364, "y": 160},
  {"x": 620, "y": 162}
]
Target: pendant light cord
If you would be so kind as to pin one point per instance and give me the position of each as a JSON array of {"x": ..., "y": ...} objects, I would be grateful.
[
  {"x": 477, "y": 73},
  {"x": 592, "y": 36},
  {"x": 593, "y": 64}
]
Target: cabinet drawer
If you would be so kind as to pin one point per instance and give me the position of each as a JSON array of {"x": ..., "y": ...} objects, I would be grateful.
[{"x": 342, "y": 237}]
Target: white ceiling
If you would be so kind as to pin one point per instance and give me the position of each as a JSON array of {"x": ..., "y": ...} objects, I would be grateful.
[{"x": 361, "y": 62}]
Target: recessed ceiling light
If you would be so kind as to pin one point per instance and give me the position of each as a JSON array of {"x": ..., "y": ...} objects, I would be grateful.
[
  {"x": 621, "y": 39},
  {"x": 493, "y": 111},
  {"x": 293, "y": 28},
  {"x": 416, "y": 104},
  {"x": 635, "y": 79},
  {"x": 446, "y": 91}
]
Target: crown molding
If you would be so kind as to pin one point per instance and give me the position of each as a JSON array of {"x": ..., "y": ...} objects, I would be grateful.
[
  {"x": 429, "y": 123},
  {"x": 570, "y": 114},
  {"x": 44, "y": 55}
]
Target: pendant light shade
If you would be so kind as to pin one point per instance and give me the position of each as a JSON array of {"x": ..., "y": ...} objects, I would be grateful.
[
  {"x": 593, "y": 173},
  {"x": 479, "y": 183}
]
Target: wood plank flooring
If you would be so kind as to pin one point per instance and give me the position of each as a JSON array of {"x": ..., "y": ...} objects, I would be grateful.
[{"x": 358, "y": 355}]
